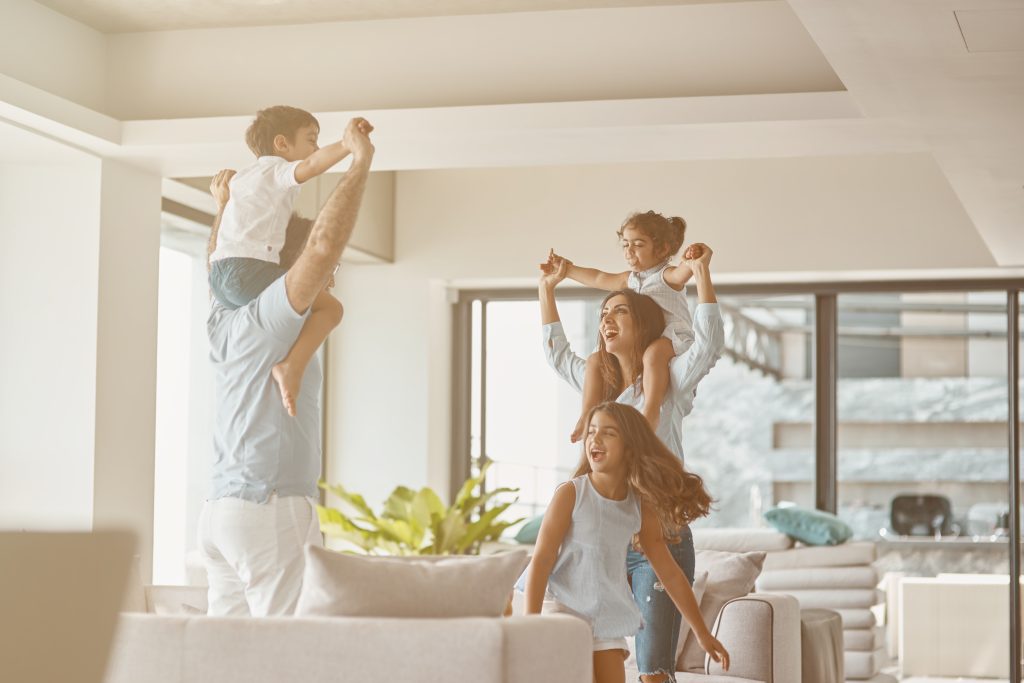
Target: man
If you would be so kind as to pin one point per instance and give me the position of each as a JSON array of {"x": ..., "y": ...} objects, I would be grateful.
[{"x": 261, "y": 511}]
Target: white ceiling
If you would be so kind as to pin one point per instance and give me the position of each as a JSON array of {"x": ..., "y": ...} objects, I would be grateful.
[
  {"x": 481, "y": 83},
  {"x": 123, "y": 16}
]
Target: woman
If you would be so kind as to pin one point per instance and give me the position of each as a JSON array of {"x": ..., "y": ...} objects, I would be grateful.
[{"x": 629, "y": 322}]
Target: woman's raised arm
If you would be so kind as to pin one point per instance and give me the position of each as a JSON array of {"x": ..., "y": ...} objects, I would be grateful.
[
  {"x": 699, "y": 262},
  {"x": 551, "y": 273}
]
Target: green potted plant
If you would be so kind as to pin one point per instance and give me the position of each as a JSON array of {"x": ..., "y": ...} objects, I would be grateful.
[{"x": 418, "y": 522}]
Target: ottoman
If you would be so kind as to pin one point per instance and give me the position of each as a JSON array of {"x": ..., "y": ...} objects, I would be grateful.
[{"x": 821, "y": 646}]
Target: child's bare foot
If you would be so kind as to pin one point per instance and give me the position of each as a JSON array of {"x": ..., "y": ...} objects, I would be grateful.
[
  {"x": 288, "y": 381},
  {"x": 577, "y": 433}
]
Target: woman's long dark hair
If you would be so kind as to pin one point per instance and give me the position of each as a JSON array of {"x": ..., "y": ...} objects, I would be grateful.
[{"x": 649, "y": 323}]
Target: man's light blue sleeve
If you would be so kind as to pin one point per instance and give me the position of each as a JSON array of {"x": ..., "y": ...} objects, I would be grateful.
[{"x": 272, "y": 312}]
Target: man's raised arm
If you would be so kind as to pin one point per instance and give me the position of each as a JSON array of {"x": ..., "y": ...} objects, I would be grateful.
[{"x": 334, "y": 225}]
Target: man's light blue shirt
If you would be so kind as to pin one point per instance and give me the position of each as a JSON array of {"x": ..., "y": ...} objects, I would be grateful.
[{"x": 259, "y": 449}]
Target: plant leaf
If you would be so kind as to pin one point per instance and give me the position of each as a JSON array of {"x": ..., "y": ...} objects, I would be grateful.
[
  {"x": 424, "y": 506},
  {"x": 353, "y": 499},
  {"x": 399, "y": 504},
  {"x": 448, "y": 530},
  {"x": 476, "y": 531}
]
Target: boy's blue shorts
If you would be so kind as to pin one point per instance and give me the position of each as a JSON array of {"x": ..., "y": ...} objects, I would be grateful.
[{"x": 237, "y": 281}]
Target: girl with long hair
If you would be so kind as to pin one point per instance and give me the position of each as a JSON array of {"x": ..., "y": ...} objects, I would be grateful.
[
  {"x": 629, "y": 322},
  {"x": 628, "y": 486}
]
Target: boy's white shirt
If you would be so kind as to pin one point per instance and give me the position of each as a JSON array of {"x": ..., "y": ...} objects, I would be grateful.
[{"x": 255, "y": 219}]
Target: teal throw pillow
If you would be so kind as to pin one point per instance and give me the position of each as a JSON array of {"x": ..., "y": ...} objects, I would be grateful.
[
  {"x": 813, "y": 527},
  {"x": 527, "y": 534}
]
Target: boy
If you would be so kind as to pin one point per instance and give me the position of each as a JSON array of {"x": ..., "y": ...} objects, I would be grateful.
[{"x": 253, "y": 225}]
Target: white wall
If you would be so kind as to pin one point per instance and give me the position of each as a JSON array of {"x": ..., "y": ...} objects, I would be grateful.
[
  {"x": 78, "y": 276},
  {"x": 49, "y": 223},
  {"x": 390, "y": 360},
  {"x": 47, "y": 50}
]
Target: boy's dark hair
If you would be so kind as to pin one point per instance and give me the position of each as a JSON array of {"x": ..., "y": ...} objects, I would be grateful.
[
  {"x": 274, "y": 121},
  {"x": 666, "y": 233}
]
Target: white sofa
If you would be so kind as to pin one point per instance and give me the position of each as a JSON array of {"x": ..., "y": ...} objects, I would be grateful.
[
  {"x": 151, "y": 648},
  {"x": 174, "y": 643},
  {"x": 839, "y": 578}
]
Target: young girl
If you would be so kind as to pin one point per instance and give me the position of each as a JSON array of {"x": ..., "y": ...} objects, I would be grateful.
[
  {"x": 649, "y": 240},
  {"x": 628, "y": 485}
]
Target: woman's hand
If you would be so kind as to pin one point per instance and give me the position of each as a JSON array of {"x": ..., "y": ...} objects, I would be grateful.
[
  {"x": 715, "y": 649},
  {"x": 697, "y": 253},
  {"x": 553, "y": 271}
]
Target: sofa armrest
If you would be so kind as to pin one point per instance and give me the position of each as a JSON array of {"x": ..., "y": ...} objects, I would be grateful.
[
  {"x": 761, "y": 631},
  {"x": 550, "y": 647}
]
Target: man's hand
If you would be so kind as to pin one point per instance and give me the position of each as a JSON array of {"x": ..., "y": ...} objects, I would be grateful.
[
  {"x": 357, "y": 138},
  {"x": 219, "y": 187}
]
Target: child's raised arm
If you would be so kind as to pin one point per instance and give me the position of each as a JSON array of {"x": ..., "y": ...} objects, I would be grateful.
[
  {"x": 592, "y": 277},
  {"x": 556, "y": 523},
  {"x": 325, "y": 157},
  {"x": 652, "y": 540}
]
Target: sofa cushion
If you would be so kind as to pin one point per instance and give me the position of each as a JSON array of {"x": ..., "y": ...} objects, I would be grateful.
[
  {"x": 452, "y": 586},
  {"x": 845, "y": 555},
  {"x": 863, "y": 665},
  {"x": 730, "y": 575},
  {"x": 819, "y": 577},
  {"x": 856, "y": 618},
  {"x": 527, "y": 534},
  {"x": 839, "y": 598},
  {"x": 813, "y": 527},
  {"x": 342, "y": 650},
  {"x": 740, "y": 540},
  {"x": 864, "y": 639}
]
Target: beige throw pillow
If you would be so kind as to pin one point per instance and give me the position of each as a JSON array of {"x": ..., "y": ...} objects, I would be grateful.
[
  {"x": 730, "y": 575},
  {"x": 453, "y": 586}
]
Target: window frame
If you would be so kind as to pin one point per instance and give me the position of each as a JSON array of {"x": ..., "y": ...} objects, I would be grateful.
[{"x": 825, "y": 378}]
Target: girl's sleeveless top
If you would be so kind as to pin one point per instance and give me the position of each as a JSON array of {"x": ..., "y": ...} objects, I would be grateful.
[
  {"x": 589, "y": 576},
  {"x": 678, "y": 323}
]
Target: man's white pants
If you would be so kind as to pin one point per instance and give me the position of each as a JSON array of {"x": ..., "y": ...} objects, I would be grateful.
[{"x": 253, "y": 553}]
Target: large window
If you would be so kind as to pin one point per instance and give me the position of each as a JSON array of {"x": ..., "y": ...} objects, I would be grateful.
[
  {"x": 887, "y": 404},
  {"x": 740, "y": 435},
  {"x": 523, "y": 413}
]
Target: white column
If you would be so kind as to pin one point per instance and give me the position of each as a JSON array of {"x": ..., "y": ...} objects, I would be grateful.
[{"x": 129, "y": 243}]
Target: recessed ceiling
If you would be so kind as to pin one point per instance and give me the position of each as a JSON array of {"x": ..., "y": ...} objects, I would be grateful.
[
  {"x": 992, "y": 30},
  {"x": 126, "y": 16}
]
